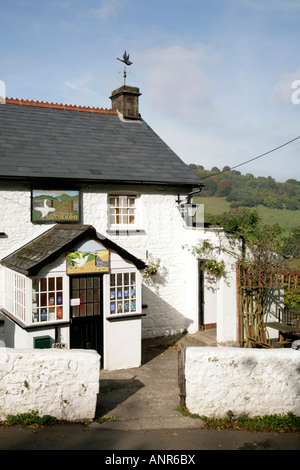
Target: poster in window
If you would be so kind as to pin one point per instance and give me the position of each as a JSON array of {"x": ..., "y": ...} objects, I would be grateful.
[
  {"x": 120, "y": 307},
  {"x": 59, "y": 206},
  {"x": 112, "y": 307},
  {"x": 59, "y": 313},
  {"x": 51, "y": 314},
  {"x": 43, "y": 314}
]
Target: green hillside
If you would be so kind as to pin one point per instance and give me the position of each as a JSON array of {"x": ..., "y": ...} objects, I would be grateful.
[
  {"x": 227, "y": 190},
  {"x": 287, "y": 219}
]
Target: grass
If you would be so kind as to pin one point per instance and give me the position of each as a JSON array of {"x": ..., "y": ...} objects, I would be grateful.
[
  {"x": 266, "y": 423},
  {"x": 31, "y": 419},
  {"x": 285, "y": 218}
]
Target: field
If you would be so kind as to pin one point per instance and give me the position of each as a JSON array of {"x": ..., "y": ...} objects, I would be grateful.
[{"x": 285, "y": 218}]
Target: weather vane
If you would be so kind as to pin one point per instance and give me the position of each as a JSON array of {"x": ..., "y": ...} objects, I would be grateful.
[{"x": 126, "y": 61}]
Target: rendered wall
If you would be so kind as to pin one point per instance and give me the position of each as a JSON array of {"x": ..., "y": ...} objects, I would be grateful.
[
  {"x": 245, "y": 381},
  {"x": 172, "y": 295},
  {"x": 60, "y": 383}
]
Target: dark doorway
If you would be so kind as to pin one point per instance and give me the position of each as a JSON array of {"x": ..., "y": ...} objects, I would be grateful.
[{"x": 86, "y": 331}]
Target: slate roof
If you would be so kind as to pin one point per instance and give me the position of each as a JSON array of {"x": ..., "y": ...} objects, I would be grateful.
[
  {"x": 46, "y": 248},
  {"x": 41, "y": 141}
]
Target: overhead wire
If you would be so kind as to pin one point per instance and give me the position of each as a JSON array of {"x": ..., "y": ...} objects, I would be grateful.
[{"x": 252, "y": 159}]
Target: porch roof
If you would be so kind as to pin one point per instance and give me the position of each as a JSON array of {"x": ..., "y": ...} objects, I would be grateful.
[{"x": 33, "y": 256}]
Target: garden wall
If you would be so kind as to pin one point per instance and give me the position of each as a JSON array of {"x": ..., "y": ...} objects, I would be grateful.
[
  {"x": 57, "y": 382},
  {"x": 252, "y": 382}
]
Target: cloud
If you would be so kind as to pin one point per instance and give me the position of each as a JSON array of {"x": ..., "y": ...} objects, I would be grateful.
[
  {"x": 81, "y": 85},
  {"x": 108, "y": 8},
  {"x": 178, "y": 80}
]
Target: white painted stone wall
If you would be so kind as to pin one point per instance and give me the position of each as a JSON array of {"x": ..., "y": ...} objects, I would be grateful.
[
  {"x": 60, "y": 383},
  {"x": 246, "y": 381}
]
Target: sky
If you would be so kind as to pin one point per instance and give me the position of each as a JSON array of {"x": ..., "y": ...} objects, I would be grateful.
[{"x": 220, "y": 79}]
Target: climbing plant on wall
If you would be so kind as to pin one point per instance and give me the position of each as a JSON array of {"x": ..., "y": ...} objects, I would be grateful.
[{"x": 257, "y": 251}]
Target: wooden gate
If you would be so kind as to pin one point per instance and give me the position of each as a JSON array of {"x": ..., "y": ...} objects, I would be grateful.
[
  {"x": 253, "y": 289},
  {"x": 86, "y": 331}
]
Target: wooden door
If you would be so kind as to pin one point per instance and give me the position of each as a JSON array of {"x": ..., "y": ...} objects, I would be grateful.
[{"x": 86, "y": 331}]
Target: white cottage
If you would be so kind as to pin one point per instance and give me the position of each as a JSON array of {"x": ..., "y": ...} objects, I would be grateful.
[{"x": 88, "y": 198}]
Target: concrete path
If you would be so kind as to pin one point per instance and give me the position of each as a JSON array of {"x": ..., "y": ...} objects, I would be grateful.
[{"x": 147, "y": 397}]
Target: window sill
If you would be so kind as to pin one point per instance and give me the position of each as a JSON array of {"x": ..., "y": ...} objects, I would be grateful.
[
  {"x": 125, "y": 316},
  {"x": 33, "y": 326},
  {"x": 126, "y": 231}
]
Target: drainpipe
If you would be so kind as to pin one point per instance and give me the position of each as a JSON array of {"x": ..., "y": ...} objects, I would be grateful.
[{"x": 190, "y": 195}]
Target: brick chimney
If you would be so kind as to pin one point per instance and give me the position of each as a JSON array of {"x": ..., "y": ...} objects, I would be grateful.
[{"x": 126, "y": 100}]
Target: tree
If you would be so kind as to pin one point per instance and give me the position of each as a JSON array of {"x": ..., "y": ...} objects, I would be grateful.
[{"x": 256, "y": 249}]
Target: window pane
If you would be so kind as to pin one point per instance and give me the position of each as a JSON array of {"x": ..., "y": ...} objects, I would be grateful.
[
  {"x": 43, "y": 285},
  {"x": 59, "y": 283},
  {"x": 75, "y": 311},
  {"x": 89, "y": 309},
  {"x": 96, "y": 295},
  {"x": 112, "y": 294},
  {"x": 89, "y": 295},
  {"x": 51, "y": 298},
  {"x": 75, "y": 283},
  {"x": 131, "y": 201},
  {"x": 82, "y": 296},
  {"x": 97, "y": 308},
  {"x": 59, "y": 298},
  {"x": 59, "y": 313},
  {"x": 51, "y": 283},
  {"x": 113, "y": 307},
  {"x": 82, "y": 311},
  {"x": 43, "y": 300},
  {"x": 51, "y": 314},
  {"x": 119, "y": 293},
  {"x": 44, "y": 315},
  {"x": 120, "y": 307}
]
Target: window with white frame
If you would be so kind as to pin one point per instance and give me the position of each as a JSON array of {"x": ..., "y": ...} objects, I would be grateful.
[
  {"x": 123, "y": 294},
  {"x": 122, "y": 210},
  {"x": 15, "y": 294},
  {"x": 47, "y": 299}
]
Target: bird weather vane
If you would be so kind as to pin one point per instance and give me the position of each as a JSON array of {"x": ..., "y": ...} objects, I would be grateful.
[{"x": 126, "y": 61}]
